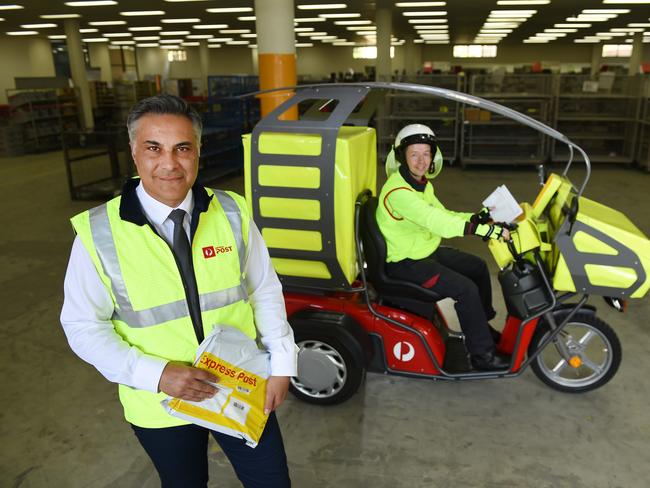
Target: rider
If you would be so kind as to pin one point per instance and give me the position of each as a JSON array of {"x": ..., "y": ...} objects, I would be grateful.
[{"x": 413, "y": 222}]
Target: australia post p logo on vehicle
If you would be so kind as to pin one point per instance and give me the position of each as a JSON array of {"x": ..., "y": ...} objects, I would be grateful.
[{"x": 212, "y": 251}]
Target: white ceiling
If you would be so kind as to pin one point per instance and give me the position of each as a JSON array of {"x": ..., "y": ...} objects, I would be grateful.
[{"x": 463, "y": 18}]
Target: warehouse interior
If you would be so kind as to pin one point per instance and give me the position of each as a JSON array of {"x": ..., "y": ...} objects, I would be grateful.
[{"x": 71, "y": 72}]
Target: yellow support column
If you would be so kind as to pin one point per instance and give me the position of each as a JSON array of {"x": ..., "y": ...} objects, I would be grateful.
[{"x": 277, "y": 52}]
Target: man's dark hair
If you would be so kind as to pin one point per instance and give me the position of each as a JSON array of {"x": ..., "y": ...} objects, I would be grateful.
[{"x": 164, "y": 105}]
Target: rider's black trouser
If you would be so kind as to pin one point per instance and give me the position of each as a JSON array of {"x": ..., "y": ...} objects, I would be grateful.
[{"x": 462, "y": 277}]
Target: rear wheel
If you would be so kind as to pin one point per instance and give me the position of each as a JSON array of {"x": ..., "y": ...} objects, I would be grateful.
[
  {"x": 329, "y": 370},
  {"x": 594, "y": 355}
]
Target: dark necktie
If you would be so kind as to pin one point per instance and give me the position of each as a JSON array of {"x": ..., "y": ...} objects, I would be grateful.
[{"x": 183, "y": 253}]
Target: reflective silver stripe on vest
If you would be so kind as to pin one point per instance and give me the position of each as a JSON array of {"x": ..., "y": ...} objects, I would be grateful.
[
  {"x": 102, "y": 235},
  {"x": 233, "y": 213}
]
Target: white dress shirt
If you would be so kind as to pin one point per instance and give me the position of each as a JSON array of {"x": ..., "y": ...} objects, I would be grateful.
[{"x": 88, "y": 308}]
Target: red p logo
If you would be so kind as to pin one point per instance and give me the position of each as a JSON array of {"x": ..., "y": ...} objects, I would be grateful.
[{"x": 208, "y": 252}]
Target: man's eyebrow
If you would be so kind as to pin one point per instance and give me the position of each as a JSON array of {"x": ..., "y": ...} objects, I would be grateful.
[
  {"x": 155, "y": 143},
  {"x": 184, "y": 143}
]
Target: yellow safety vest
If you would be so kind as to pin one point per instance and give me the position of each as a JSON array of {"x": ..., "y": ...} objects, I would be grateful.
[
  {"x": 412, "y": 222},
  {"x": 141, "y": 275}
]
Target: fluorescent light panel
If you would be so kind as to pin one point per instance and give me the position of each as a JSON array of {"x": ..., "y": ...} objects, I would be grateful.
[
  {"x": 22, "y": 33},
  {"x": 180, "y": 21},
  {"x": 11, "y": 7},
  {"x": 324, "y": 6},
  {"x": 142, "y": 13},
  {"x": 427, "y": 21},
  {"x": 431, "y": 13},
  {"x": 145, "y": 28},
  {"x": 95, "y": 3},
  {"x": 60, "y": 16},
  {"x": 523, "y": 2},
  {"x": 108, "y": 22},
  {"x": 38, "y": 26},
  {"x": 339, "y": 16},
  {"x": 420, "y": 4},
  {"x": 211, "y": 26},
  {"x": 228, "y": 9}
]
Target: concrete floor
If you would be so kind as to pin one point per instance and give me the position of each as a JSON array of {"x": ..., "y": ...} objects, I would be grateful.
[{"x": 61, "y": 423}]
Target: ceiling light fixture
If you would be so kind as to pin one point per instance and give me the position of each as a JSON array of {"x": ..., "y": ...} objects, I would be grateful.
[
  {"x": 427, "y": 21},
  {"x": 22, "y": 33},
  {"x": 180, "y": 21},
  {"x": 211, "y": 26},
  {"x": 95, "y": 3},
  {"x": 574, "y": 25},
  {"x": 339, "y": 16},
  {"x": 11, "y": 7},
  {"x": 201, "y": 36},
  {"x": 235, "y": 31},
  {"x": 142, "y": 13},
  {"x": 325, "y": 6},
  {"x": 353, "y": 22},
  {"x": 174, "y": 33},
  {"x": 523, "y": 2},
  {"x": 420, "y": 4},
  {"x": 57, "y": 36},
  {"x": 146, "y": 38},
  {"x": 88, "y": 31},
  {"x": 117, "y": 34},
  {"x": 95, "y": 39},
  {"x": 150, "y": 44},
  {"x": 310, "y": 19},
  {"x": 225, "y": 10},
  {"x": 60, "y": 16},
  {"x": 247, "y": 18},
  {"x": 38, "y": 26},
  {"x": 433, "y": 13},
  {"x": 107, "y": 22},
  {"x": 145, "y": 28}
]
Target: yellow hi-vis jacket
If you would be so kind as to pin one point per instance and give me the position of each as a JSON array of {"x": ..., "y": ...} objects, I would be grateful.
[
  {"x": 414, "y": 222},
  {"x": 142, "y": 277}
]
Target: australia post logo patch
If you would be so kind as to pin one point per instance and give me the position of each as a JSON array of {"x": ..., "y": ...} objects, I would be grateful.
[{"x": 212, "y": 251}]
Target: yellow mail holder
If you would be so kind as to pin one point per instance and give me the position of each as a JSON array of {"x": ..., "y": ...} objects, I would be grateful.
[
  {"x": 305, "y": 209},
  {"x": 237, "y": 409}
]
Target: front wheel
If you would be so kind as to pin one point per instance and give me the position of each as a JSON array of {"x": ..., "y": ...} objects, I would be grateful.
[
  {"x": 329, "y": 370},
  {"x": 594, "y": 355}
]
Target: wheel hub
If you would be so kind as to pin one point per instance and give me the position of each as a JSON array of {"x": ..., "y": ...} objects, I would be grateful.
[{"x": 316, "y": 369}]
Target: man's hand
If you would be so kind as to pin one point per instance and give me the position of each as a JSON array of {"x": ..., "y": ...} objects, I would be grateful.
[
  {"x": 276, "y": 391},
  {"x": 186, "y": 382}
]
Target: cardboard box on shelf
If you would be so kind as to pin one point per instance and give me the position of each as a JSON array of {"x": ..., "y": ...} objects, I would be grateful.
[
  {"x": 472, "y": 114},
  {"x": 485, "y": 116}
]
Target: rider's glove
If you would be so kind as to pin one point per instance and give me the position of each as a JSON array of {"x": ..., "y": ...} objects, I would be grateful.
[
  {"x": 487, "y": 232},
  {"x": 481, "y": 217}
]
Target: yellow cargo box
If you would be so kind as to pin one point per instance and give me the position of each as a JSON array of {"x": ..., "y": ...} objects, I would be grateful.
[{"x": 308, "y": 223}]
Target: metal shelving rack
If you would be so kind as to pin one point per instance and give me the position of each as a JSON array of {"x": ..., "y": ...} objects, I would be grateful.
[
  {"x": 401, "y": 108},
  {"x": 599, "y": 115},
  {"x": 127, "y": 93},
  {"x": 42, "y": 115},
  {"x": 643, "y": 144},
  {"x": 491, "y": 139}
]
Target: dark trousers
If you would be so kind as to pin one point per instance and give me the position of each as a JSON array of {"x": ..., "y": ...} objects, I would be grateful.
[
  {"x": 463, "y": 277},
  {"x": 180, "y": 456}
]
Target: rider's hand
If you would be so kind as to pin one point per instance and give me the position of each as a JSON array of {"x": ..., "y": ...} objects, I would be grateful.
[
  {"x": 186, "y": 382},
  {"x": 481, "y": 217},
  {"x": 492, "y": 231}
]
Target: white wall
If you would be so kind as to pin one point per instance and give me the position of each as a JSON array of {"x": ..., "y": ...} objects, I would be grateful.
[
  {"x": 223, "y": 61},
  {"x": 22, "y": 57}
]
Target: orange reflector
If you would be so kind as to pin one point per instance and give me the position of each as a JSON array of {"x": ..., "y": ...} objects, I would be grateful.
[{"x": 575, "y": 361}]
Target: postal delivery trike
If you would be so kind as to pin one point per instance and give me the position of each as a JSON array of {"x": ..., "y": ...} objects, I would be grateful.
[{"x": 311, "y": 186}]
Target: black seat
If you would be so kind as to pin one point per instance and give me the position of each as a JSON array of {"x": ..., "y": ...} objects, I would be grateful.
[{"x": 374, "y": 251}]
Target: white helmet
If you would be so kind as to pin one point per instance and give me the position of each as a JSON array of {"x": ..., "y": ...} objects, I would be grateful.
[{"x": 414, "y": 134}]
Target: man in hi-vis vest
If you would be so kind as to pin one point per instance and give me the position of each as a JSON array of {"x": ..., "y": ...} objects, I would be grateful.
[{"x": 150, "y": 275}]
